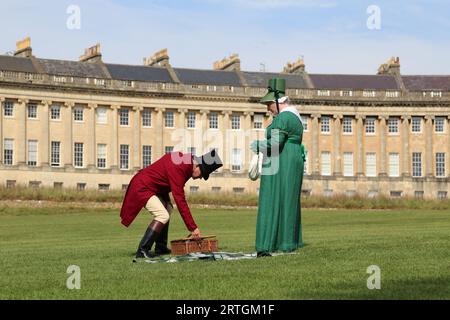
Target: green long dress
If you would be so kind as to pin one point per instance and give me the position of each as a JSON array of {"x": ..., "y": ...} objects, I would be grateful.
[{"x": 278, "y": 224}]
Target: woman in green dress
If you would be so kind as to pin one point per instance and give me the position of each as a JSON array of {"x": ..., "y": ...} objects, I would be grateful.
[{"x": 278, "y": 224}]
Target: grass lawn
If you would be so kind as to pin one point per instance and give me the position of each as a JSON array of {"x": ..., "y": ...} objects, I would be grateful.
[{"x": 411, "y": 247}]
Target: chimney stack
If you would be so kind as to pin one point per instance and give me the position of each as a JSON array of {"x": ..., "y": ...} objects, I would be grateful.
[
  {"x": 232, "y": 63},
  {"x": 23, "y": 48},
  {"x": 390, "y": 67},
  {"x": 160, "y": 58},
  {"x": 92, "y": 54},
  {"x": 296, "y": 67}
]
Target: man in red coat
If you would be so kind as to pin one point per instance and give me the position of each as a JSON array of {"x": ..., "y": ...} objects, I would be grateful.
[{"x": 150, "y": 188}]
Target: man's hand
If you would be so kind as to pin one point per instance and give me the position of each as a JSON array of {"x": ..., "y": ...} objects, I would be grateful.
[{"x": 195, "y": 234}]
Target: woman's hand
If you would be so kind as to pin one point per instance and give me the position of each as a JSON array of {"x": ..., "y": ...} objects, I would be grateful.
[{"x": 196, "y": 234}]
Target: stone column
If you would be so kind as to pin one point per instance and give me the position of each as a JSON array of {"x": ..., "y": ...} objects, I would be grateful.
[
  {"x": 113, "y": 156},
  {"x": 406, "y": 156},
  {"x": 447, "y": 156},
  {"x": 2, "y": 104},
  {"x": 188, "y": 136},
  {"x": 359, "y": 145},
  {"x": 44, "y": 144},
  {"x": 383, "y": 155},
  {"x": 204, "y": 129},
  {"x": 226, "y": 141},
  {"x": 137, "y": 138},
  {"x": 66, "y": 151},
  {"x": 92, "y": 142},
  {"x": 159, "y": 126},
  {"x": 337, "y": 144},
  {"x": 429, "y": 145},
  {"x": 315, "y": 144},
  {"x": 22, "y": 136}
]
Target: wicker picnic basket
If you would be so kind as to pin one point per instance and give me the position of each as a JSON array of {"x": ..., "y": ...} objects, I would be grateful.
[{"x": 184, "y": 246}]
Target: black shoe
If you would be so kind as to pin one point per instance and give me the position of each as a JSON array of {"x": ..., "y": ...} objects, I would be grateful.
[
  {"x": 263, "y": 254},
  {"x": 161, "y": 251},
  {"x": 142, "y": 253}
]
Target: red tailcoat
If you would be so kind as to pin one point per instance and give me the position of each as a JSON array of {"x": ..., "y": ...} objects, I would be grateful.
[{"x": 163, "y": 176}]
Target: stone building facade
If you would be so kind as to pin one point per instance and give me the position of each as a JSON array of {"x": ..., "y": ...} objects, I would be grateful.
[{"x": 89, "y": 124}]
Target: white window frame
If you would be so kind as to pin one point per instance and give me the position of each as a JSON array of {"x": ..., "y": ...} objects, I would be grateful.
[
  {"x": 346, "y": 93},
  {"x": 55, "y": 112},
  {"x": 192, "y": 150},
  {"x": 416, "y": 127},
  {"x": 304, "y": 122},
  {"x": 394, "y": 164},
  {"x": 55, "y": 154},
  {"x": 8, "y": 152},
  {"x": 146, "y": 155},
  {"x": 32, "y": 150},
  {"x": 78, "y": 154},
  {"x": 146, "y": 118},
  {"x": 347, "y": 125},
  {"x": 124, "y": 117},
  {"x": 124, "y": 156},
  {"x": 214, "y": 120},
  {"x": 348, "y": 164},
  {"x": 78, "y": 114},
  {"x": 32, "y": 111},
  {"x": 102, "y": 155},
  {"x": 101, "y": 114},
  {"x": 391, "y": 122},
  {"x": 168, "y": 149},
  {"x": 258, "y": 121},
  {"x": 236, "y": 160},
  {"x": 325, "y": 160},
  {"x": 369, "y": 93},
  {"x": 235, "y": 121},
  {"x": 371, "y": 164},
  {"x": 392, "y": 94},
  {"x": 440, "y": 164},
  {"x": 169, "y": 119},
  {"x": 325, "y": 125},
  {"x": 191, "y": 119},
  {"x": 442, "y": 125},
  {"x": 416, "y": 163},
  {"x": 8, "y": 109},
  {"x": 323, "y": 93},
  {"x": 370, "y": 127}
]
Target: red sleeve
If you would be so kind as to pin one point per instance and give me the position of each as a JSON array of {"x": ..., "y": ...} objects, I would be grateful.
[{"x": 177, "y": 181}]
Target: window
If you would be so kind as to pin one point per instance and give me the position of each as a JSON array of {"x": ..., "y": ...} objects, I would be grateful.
[
  {"x": 417, "y": 164},
  {"x": 191, "y": 119},
  {"x": 101, "y": 156},
  {"x": 32, "y": 111},
  {"x": 32, "y": 153},
  {"x": 258, "y": 121},
  {"x": 55, "y": 154},
  {"x": 305, "y": 122},
  {"x": 236, "y": 161},
  {"x": 102, "y": 115},
  {"x": 371, "y": 164},
  {"x": 323, "y": 93},
  {"x": 216, "y": 189},
  {"x": 396, "y": 194},
  {"x": 238, "y": 190},
  {"x": 146, "y": 118},
  {"x": 439, "y": 124},
  {"x": 81, "y": 186},
  {"x": 124, "y": 117},
  {"x": 326, "y": 163},
  {"x": 78, "y": 114},
  {"x": 10, "y": 183},
  {"x": 418, "y": 194},
  {"x": 8, "y": 109},
  {"x": 370, "y": 126},
  {"x": 125, "y": 187},
  {"x": 348, "y": 164},
  {"x": 325, "y": 124},
  {"x": 346, "y": 93},
  {"x": 440, "y": 164},
  {"x": 416, "y": 124},
  {"x": 193, "y": 189},
  {"x": 168, "y": 119},
  {"x": 436, "y": 94},
  {"x": 168, "y": 149},
  {"x": 442, "y": 195},
  {"x": 34, "y": 184},
  {"x": 235, "y": 121},
  {"x": 103, "y": 187},
  {"x": 55, "y": 112},
  {"x": 393, "y": 125},
  {"x": 347, "y": 125},
  {"x": 394, "y": 162},
  {"x": 146, "y": 156},
  {"x": 124, "y": 156},
  {"x": 99, "y": 82},
  {"x": 214, "y": 120},
  {"x": 8, "y": 152},
  {"x": 191, "y": 150},
  {"x": 369, "y": 94},
  {"x": 78, "y": 154}
]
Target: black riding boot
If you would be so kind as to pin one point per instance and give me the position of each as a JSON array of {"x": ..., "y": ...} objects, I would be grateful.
[
  {"x": 161, "y": 242},
  {"x": 151, "y": 234}
]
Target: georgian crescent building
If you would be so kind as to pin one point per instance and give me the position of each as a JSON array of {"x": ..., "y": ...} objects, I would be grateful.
[{"x": 90, "y": 124}]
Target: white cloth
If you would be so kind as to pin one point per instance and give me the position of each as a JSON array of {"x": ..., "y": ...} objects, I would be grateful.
[
  {"x": 293, "y": 110},
  {"x": 255, "y": 168}
]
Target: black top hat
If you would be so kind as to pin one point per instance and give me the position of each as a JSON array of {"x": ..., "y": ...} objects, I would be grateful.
[{"x": 208, "y": 162}]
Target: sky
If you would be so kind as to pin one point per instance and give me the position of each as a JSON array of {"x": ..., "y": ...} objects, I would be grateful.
[{"x": 332, "y": 36}]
